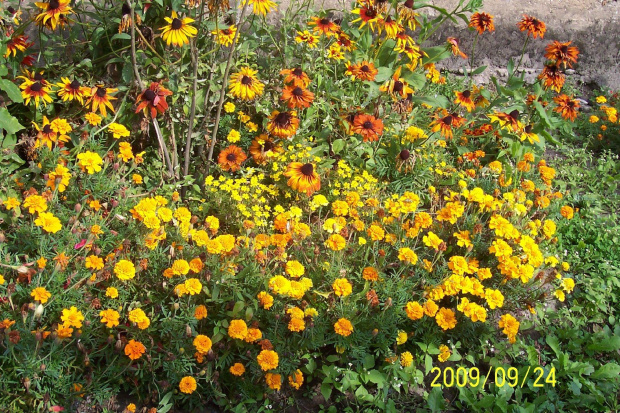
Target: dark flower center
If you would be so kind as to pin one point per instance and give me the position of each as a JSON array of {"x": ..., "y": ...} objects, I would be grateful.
[
  {"x": 149, "y": 95},
  {"x": 297, "y": 71},
  {"x": 38, "y": 77},
  {"x": 229, "y": 20},
  {"x": 404, "y": 154},
  {"x": 11, "y": 10},
  {"x": 268, "y": 146},
  {"x": 398, "y": 86},
  {"x": 365, "y": 68},
  {"x": 53, "y": 4},
  {"x": 297, "y": 92},
  {"x": 47, "y": 129},
  {"x": 231, "y": 157},
  {"x": 514, "y": 114},
  {"x": 324, "y": 21},
  {"x": 448, "y": 120},
  {"x": 564, "y": 49},
  {"x": 75, "y": 85},
  {"x": 388, "y": 20},
  {"x": 307, "y": 169},
  {"x": 370, "y": 14},
  {"x": 283, "y": 119},
  {"x": 466, "y": 94},
  {"x": 125, "y": 10},
  {"x": 101, "y": 92},
  {"x": 246, "y": 80},
  {"x": 409, "y": 4},
  {"x": 528, "y": 128},
  {"x": 176, "y": 24},
  {"x": 36, "y": 87},
  {"x": 367, "y": 125}
]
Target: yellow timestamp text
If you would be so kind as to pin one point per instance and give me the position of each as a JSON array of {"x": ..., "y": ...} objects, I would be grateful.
[{"x": 501, "y": 376}]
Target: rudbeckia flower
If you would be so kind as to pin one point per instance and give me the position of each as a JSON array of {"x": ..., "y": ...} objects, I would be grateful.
[
  {"x": 306, "y": 37},
  {"x": 72, "y": 89},
  {"x": 562, "y": 53},
  {"x": 283, "y": 124},
  {"x": 261, "y": 146},
  {"x": 408, "y": 14},
  {"x": 100, "y": 98},
  {"x": 323, "y": 25},
  {"x": 296, "y": 76},
  {"x": 482, "y": 22},
  {"x": 303, "y": 177},
  {"x": 245, "y": 85},
  {"x": 532, "y": 26},
  {"x": 445, "y": 124},
  {"x": 453, "y": 42},
  {"x": 529, "y": 135},
  {"x": 37, "y": 91},
  {"x": 465, "y": 99},
  {"x": 17, "y": 43},
  {"x": 54, "y": 13},
  {"x": 368, "y": 126},
  {"x": 397, "y": 86},
  {"x": 225, "y": 37},
  {"x": 509, "y": 121},
  {"x": 178, "y": 31},
  {"x": 552, "y": 76},
  {"x": 153, "y": 100},
  {"x": 297, "y": 97},
  {"x": 567, "y": 106},
  {"x": 231, "y": 158},
  {"x": 261, "y": 7},
  {"x": 126, "y": 22},
  {"x": 391, "y": 27},
  {"x": 365, "y": 71},
  {"x": 368, "y": 15}
]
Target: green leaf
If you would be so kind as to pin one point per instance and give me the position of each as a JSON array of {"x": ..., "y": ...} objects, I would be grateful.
[
  {"x": 383, "y": 74},
  {"x": 8, "y": 122},
  {"x": 438, "y": 101},
  {"x": 338, "y": 145},
  {"x": 121, "y": 36},
  {"x": 478, "y": 70},
  {"x": 376, "y": 377},
  {"x": 435, "y": 54},
  {"x": 608, "y": 371},
  {"x": 369, "y": 361},
  {"x": 11, "y": 90},
  {"x": 606, "y": 344},
  {"x": 415, "y": 80},
  {"x": 326, "y": 390},
  {"x": 552, "y": 341},
  {"x": 436, "y": 401}
]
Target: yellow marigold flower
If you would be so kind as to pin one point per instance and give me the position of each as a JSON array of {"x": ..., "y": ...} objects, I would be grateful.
[
  {"x": 375, "y": 232},
  {"x": 565, "y": 266},
  {"x": 139, "y": 317},
  {"x": 131, "y": 407},
  {"x": 72, "y": 317},
  {"x": 265, "y": 299},
  {"x": 58, "y": 178},
  {"x": 118, "y": 131},
  {"x": 125, "y": 270},
  {"x": 401, "y": 338},
  {"x": 93, "y": 262},
  {"x": 268, "y": 360},
  {"x": 125, "y": 152},
  {"x": 430, "y": 308},
  {"x": 406, "y": 359},
  {"x": 432, "y": 240},
  {"x": 35, "y": 204},
  {"x": 202, "y": 343},
  {"x": 274, "y": 381},
  {"x": 109, "y": 317},
  {"x": 93, "y": 119},
  {"x": 111, "y": 292},
  {"x": 342, "y": 287},
  {"x": 237, "y": 369},
  {"x": 407, "y": 255},
  {"x": 370, "y": 274},
  {"x": 296, "y": 325},
  {"x": 48, "y": 222},
  {"x": 229, "y": 107},
  {"x": 187, "y": 385},
  {"x": 200, "y": 312},
  {"x": 11, "y": 203},
  {"x": 343, "y": 327},
  {"x": 494, "y": 298},
  {"x": 294, "y": 269},
  {"x": 233, "y": 136},
  {"x": 39, "y": 294},
  {"x": 134, "y": 349},
  {"x": 549, "y": 228},
  {"x": 567, "y": 212},
  {"x": 296, "y": 380},
  {"x": 180, "y": 267},
  {"x": 193, "y": 286},
  {"x": 510, "y": 326},
  {"x": 90, "y": 162},
  {"x": 336, "y": 242},
  {"x": 340, "y": 208},
  {"x": 137, "y": 179},
  {"x": 568, "y": 284},
  {"x": 414, "y": 310},
  {"x": 444, "y": 353},
  {"x": 238, "y": 329},
  {"x": 601, "y": 99},
  {"x": 445, "y": 318}
]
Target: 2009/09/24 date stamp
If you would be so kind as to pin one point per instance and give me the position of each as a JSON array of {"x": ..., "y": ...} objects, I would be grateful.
[{"x": 500, "y": 376}]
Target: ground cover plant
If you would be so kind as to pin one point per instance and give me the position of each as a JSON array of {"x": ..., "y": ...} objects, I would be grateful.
[{"x": 201, "y": 206}]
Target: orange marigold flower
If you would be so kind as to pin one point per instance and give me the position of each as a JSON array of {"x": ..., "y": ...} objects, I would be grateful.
[
  {"x": 134, "y": 349},
  {"x": 343, "y": 327}
]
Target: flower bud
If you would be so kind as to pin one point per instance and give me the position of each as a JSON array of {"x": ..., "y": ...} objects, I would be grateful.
[
  {"x": 38, "y": 312},
  {"x": 77, "y": 207}
]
